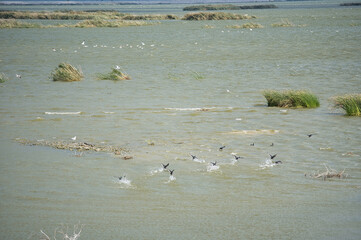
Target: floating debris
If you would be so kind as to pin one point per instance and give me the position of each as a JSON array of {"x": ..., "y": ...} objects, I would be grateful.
[
  {"x": 76, "y": 146},
  {"x": 329, "y": 173}
]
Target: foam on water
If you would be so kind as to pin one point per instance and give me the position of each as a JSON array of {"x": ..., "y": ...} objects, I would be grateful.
[{"x": 62, "y": 113}]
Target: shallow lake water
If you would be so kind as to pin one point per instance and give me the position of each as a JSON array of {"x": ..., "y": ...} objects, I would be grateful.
[{"x": 194, "y": 88}]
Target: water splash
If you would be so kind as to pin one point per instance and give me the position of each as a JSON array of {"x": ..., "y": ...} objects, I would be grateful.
[
  {"x": 124, "y": 182},
  {"x": 171, "y": 179},
  {"x": 155, "y": 171},
  {"x": 212, "y": 168},
  {"x": 268, "y": 163}
]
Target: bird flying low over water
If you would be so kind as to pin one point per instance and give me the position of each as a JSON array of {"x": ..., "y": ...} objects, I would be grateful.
[
  {"x": 237, "y": 157},
  {"x": 252, "y": 144},
  {"x": 193, "y": 156},
  {"x": 273, "y": 156},
  {"x": 221, "y": 148},
  {"x": 73, "y": 138},
  {"x": 278, "y": 162},
  {"x": 171, "y": 172},
  {"x": 214, "y": 163},
  {"x": 310, "y": 135},
  {"x": 165, "y": 165}
]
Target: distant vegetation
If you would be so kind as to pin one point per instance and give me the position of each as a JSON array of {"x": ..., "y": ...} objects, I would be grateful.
[
  {"x": 106, "y": 23},
  {"x": 225, "y": 7},
  {"x": 81, "y": 15},
  {"x": 249, "y": 25},
  {"x": 114, "y": 75},
  {"x": 3, "y": 78},
  {"x": 291, "y": 98},
  {"x": 215, "y": 16},
  {"x": 66, "y": 73},
  {"x": 12, "y": 23},
  {"x": 350, "y": 4},
  {"x": 150, "y": 17},
  {"x": 351, "y": 103}
]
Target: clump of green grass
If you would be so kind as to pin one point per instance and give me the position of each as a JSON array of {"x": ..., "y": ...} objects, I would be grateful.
[
  {"x": 291, "y": 98},
  {"x": 283, "y": 23},
  {"x": 114, "y": 75},
  {"x": 3, "y": 78},
  {"x": 249, "y": 25},
  {"x": 215, "y": 16},
  {"x": 351, "y": 103},
  {"x": 66, "y": 73},
  {"x": 12, "y": 23}
]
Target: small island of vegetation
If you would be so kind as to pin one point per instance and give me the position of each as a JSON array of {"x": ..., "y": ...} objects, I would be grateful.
[
  {"x": 291, "y": 99},
  {"x": 66, "y": 73},
  {"x": 215, "y": 16},
  {"x": 215, "y": 7},
  {"x": 351, "y": 103}
]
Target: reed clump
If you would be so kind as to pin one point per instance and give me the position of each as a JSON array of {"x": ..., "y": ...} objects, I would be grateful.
[
  {"x": 283, "y": 23},
  {"x": 114, "y": 75},
  {"x": 3, "y": 77},
  {"x": 12, "y": 23},
  {"x": 66, "y": 73},
  {"x": 351, "y": 103},
  {"x": 249, "y": 25},
  {"x": 215, "y": 16},
  {"x": 291, "y": 99}
]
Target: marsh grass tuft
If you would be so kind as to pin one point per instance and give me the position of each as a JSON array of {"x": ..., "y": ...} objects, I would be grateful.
[
  {"x": 114, "y": 75},
  {"x": 291, "y": 99},
  {"x": 3, "y": 77},
  {"x": 351, "y": 103},
  {"x": 215, "y": 16},
  {"x": 66, "y": 73}
]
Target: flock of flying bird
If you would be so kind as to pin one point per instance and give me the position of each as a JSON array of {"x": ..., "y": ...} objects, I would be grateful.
[{"x": 211, "y": 167}]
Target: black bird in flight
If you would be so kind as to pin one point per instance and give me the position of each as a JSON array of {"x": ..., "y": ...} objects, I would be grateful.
[
  {"x": 214, "y": 163},
  {"x": 237, "y": 157},
  {"x": 221, "y": 148},
  {"x": 165, "y": 165},
  {"x": 171, "y": 172},
  {"x": 273, "y": 156},
  {"x": 277, "y": 162}
]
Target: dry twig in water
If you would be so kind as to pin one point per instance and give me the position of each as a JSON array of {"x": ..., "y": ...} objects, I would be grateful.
[{"x": 329, "y": 173}]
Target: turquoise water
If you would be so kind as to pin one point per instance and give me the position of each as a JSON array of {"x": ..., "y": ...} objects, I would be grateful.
[{"x": 179, "y": 68}]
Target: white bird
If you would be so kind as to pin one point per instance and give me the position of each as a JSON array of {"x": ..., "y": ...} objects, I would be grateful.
[
  {"x": 117, "y": 67},
  {"x": 143, "y": 43},
  {"x": 73, "y": 138},
  {"x": 83, "y": 43},
  {"x": 18, "y": 75}
]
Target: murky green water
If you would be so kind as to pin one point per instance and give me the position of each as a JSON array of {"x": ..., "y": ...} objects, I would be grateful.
[{"x": 178, "y": 67}]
